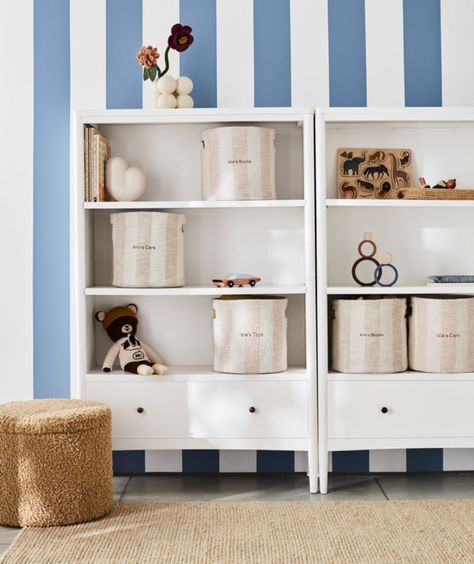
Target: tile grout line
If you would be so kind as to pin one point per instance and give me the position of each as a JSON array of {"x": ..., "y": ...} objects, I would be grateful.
[
  {"x": 125, "y": 488},
  {"x": 381, "y": 488}
]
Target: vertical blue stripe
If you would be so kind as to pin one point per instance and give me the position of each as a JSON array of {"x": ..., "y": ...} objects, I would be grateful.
[
  {"x": 424, "y": 460},
  {"x": 275, "y": 461},
  {"x": 128, "y": 461},
  {"x": 350, "y": 461},
  {"x": 51, "y": 198},
  {"x": 422, "y": 52},
  {"x": 199, "y": 62},
  {"x": 202, "y": 461},
  {"x": 272, "y": 53},
  {"x": 124, "y": 75},
  {"x": 347, "y": 62}
]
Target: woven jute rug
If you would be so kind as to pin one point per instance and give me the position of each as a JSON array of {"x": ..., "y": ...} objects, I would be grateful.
[{"x": 255, "y": 532}]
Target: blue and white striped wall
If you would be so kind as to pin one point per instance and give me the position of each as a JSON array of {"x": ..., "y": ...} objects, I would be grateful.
[{"x": 81, "y": 54}]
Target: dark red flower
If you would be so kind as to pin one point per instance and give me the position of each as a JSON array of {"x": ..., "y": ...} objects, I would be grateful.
[{"x": 180, "y": 38}]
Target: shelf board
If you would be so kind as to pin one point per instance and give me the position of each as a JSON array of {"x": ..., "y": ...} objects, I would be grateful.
[
  {"x": 343, "y": 203},
  {"x": 196, "y": 374},
  {"x": 195, "y": 115},
  {"x": 197, "y": 290},
  {"x": 408, "y": 376},
  {"x": 466, "y": 289},
  {"x": 196, "y": 204}
]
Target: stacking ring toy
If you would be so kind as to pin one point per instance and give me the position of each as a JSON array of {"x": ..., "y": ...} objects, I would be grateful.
[
  {"x": 384, "y": 260},
  {"x": 367, "y": 242},
  {"x": 378, "y": 274},
  {"x": 356, "y": 264}
]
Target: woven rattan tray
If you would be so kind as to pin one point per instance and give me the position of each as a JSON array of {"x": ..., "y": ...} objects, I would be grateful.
[{"x": 436, "y": 194}]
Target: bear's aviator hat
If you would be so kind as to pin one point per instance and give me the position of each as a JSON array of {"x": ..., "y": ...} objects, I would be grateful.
[{"x": 116, "y": 313}]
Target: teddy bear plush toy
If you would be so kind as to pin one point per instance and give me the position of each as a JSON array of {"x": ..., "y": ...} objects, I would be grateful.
[{"x": 120, "y": 323}]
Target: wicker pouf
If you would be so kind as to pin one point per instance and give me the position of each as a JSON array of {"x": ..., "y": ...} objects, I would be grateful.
[{"x": 55, "y": 462}]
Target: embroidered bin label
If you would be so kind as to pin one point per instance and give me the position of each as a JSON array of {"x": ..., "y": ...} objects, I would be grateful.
[{"x": 144, "y": 247}]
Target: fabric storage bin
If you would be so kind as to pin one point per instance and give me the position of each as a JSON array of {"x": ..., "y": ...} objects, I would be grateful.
[
  {"x": 148, "y": 249},
  {"x": 238, "y": 163},
  {"x": 250, "y": 334},
  {"x": 441, "y": 335},
  {"x": 369, "y": 335}
]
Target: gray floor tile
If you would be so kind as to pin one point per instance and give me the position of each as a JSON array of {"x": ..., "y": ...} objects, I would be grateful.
[
  {"x": 428, "y": 486},
  {"x": 119, "y": 483},
  {"x": 243, "y": 487},
  {"x": 3, "y": 548},
  {"x": 353, "y": 487},
  {"x": 8, "y": 534}
]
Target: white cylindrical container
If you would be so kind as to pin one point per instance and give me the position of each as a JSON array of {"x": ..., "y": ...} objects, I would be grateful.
[
  {"x": 441, "y": 335},
  {"x": 250, "y": 334},
  {"x": 148, "y": 249},
  {"x": 369, "y": 336},
  {"x": 238, "y": 163}
]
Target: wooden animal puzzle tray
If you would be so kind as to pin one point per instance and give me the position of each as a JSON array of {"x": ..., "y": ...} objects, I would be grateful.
[{"x": 373, "y": 173}]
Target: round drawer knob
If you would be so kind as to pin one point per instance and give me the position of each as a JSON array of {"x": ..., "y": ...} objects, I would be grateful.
[
  {"x": 140, "y": 410},
  {"x": 252, "y": 409},
  {"x": 384, "y": 410}
]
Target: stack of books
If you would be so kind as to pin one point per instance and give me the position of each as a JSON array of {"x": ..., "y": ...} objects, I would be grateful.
[{"x": 96, "y": 154}]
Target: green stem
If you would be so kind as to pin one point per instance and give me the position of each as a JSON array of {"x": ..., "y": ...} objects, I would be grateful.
[
  {"x": 159, "y": 71},
  {"x": 167, "y": 62}
]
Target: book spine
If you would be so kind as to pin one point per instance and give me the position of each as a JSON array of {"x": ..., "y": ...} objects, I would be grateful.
[
  {"x": 95, "y": 174},
  {"x": 86, "y": 163},
  {"x": 101, "y": 175},
  {"x": 91, "y": 160},
  {"x": 106, "y": 158}
]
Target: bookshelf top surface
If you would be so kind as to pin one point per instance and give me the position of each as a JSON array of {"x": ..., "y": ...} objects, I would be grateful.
[
  {"x": 194, "y": 115},
  {"x": 347, "y": 115}
]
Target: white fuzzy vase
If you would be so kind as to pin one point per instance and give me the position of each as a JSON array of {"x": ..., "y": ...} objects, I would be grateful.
[{"x": 173, "y": 92}]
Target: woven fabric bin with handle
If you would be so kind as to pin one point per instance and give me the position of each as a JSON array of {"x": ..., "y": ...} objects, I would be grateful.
[
  {"x": 369, "y": 336},
  {"x": 148, "y": 249},
  {"x": 441, "y": 335},
  {"x": 238, "y": 163},
  {"x": 250, "y": 334}
]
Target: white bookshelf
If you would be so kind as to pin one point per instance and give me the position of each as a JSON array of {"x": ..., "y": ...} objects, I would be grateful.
[
  {"x": 269, "y": 289},
  {"x": 199, "y": 204},
  {"x": 192, "y": 406},
  {"x": 334, "y": 203},
  {"x": 198, "y": 373},
  {"x": 425, "y": 238},
  {"x": 428, "y": 289}
]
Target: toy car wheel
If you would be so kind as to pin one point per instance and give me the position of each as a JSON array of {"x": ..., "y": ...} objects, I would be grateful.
[
  {"x": 230, "y": 283},
  {"x": 252, "y": 282}
]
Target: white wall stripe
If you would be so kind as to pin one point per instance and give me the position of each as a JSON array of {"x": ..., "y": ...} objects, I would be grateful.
[
  {"x": 457, "y": 46},
  {"x": 301, "y": 461},
  {"x": 387, "y": 460},
  {"x": 16, "y": 199},
  {"x": 238, "y": 461},
  {"x": 87, "y": 21},
  {"x": 384, "y": 52},
  {"x": 163, "y": 461},
  {"x": 458, "y": 459},
  {"x": 309, "y": 53},
  {"x": 158, "y": 17},
  {"x": 235, "y": 67}
]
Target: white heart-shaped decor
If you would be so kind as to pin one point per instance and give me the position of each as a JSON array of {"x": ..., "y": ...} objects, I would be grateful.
[{"x": 124, "y": 183}]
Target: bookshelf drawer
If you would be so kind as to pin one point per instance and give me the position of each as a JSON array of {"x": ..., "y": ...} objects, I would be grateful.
[
  {"x": 400, "y": 409},
  {"x": 205, "y": 409}
]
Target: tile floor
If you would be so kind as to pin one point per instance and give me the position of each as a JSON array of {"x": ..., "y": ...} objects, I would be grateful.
[{"x": 241, "y": 487}]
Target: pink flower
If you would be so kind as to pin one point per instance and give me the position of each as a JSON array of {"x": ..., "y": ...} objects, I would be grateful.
[{"x": 147, "y": 56}]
